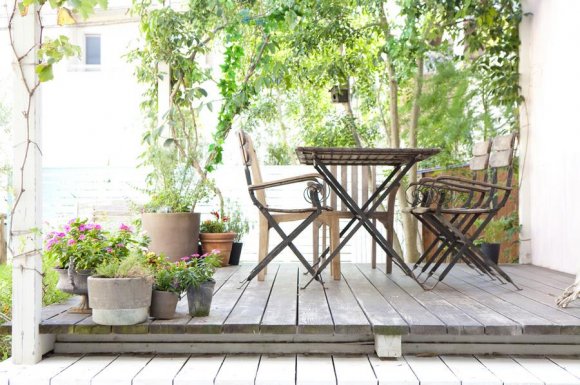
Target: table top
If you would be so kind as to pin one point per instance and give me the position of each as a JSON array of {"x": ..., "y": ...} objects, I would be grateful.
[{"x": 363, "y": 156}]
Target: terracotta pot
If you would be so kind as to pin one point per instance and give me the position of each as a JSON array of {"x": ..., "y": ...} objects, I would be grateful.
[
  {"x": 173, "y": 234},
  {"x": 220, "y": 241},
  {"x": 163, "y": 304},
  {"x": 199, "y": 298},
  {"x": 119, "y": 301},
  {"x": 75, "y": 282}
]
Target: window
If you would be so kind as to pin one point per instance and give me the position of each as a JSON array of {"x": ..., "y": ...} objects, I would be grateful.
[{"x": 93, "y": 49}]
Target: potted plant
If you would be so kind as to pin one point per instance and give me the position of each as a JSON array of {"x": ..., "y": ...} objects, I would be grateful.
[
  {"x": 167, "y": 285},
  {"x": 215, "y": 236},
  {"x": 239, "y": 225},
  {"x": 497, "y": 231},
  {"x": 78, "y": 248},
  {"x": 198, "y": 281},
  {"x": 169, "y": 219},
  {"x": 120, "y": 290}
]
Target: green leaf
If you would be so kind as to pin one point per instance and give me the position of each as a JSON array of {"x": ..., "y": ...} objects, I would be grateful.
[{"x": 44, "y": 72}]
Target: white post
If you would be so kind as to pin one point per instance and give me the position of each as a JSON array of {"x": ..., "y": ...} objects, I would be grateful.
[{"x": 25, "y": 241}]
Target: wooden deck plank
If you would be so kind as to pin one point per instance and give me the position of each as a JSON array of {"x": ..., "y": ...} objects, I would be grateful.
[
  {"x": 456, "y": 320},
  {"x": 238, "y": 370},
  {"x": 528, "y": 321},
  {"x": 567, "y": 323},
  {"x": 549, "y": 274},
  {"x": 222, "y": 275},
  {"x": 279, "y": 370},
  {"x": 83, "y": 371},
  {"x": 393, "y": 371},
  {"x": 509, "y": 371},
  {"x": 280, "y": 315},
  {"x": 44, "y": 371},
  {"x": 381, "y": 314},
  {"x": 432, "y": 371},
  {"x": 470, "y": 370},
  {"x": 539, "y": 291},
  {"x": 547, "y": 371},
  {"x": 354, "y": 371},
  {"x": 572, "y": 365},
  {"x": 202, "y": 370},
  {"x": 315, "y": 370},
  {"x": 161, "y": 370},
  {"x": 313, "y": 311},
  {"x": 121, "y": 371},
  {"x": 346, "y": 313},
  {"x": 222, "y": 304},
  {"x": 419, "y": 318},
  {"x": 249, "y": 310},
  {"x": 62, "y": 323}
]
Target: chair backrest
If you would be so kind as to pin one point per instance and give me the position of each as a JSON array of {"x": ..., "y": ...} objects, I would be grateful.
[
  {"x": 250, "y": 160},
  {"x": 480, "y": 159}
]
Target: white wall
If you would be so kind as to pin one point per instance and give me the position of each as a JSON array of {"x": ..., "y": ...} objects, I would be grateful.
[{"x": 550, "y": 137}]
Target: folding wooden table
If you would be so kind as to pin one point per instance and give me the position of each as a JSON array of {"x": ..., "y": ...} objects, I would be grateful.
[{"x": 401, "y": 159}]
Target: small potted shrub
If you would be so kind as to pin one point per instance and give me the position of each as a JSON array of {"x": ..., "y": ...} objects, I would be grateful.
[
  {"x": 215, "y": 236},
  {"x": 239, "y": 225},
  {"x": 199, "y": 282},
  {"x": 120, "y": 291},
  {"x": 78, "y": 248},
  {"x": 497, "y": 231},
  {"x": 167, "y": 285}
]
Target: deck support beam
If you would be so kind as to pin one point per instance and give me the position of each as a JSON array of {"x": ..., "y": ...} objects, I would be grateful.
[
  {"x": 24, "y": 238},
  {"x": 388, "y": 346}
]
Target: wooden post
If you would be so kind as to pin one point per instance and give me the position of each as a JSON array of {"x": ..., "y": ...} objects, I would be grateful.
[
  {"x": 3, "y": 251},
  {"x": 24, "y": 241}
]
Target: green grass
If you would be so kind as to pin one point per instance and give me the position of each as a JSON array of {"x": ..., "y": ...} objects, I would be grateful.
[{"x": 50, "y": 296}]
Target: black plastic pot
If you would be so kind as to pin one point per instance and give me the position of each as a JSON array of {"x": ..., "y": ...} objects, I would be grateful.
[
  {"x": 236, "y": 253},
  {"x": 491, "y": 250}
]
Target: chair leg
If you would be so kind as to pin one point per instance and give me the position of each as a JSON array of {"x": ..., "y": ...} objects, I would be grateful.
[
  {"x": 315, "y": 240},
  {"x": 263, "y": 246},
  {"x": 389, "y": 230},
  {"x": 374, "y": 249},
  {"x": 334, "y": 241}
]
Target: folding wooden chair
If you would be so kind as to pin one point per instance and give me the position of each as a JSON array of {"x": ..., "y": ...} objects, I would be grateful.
[
  {"x": 458, "y": 225},
  {"x": 271, "y": 216}
]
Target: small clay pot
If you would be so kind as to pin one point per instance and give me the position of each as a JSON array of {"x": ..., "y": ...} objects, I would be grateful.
[
  {"x": 163, "y": 304},
  {"x": 220, "y": 241}
]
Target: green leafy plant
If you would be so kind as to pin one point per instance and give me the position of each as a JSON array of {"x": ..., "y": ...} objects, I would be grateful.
[
  {"x": 133, "y": 266},
  {"x": 238, "y": 223},
  {"x": 198, "y": 268},
  {"x": 168, "y": 276},
  {"x": 217, "y": 225},
  {"x": 499, "y": 230}
]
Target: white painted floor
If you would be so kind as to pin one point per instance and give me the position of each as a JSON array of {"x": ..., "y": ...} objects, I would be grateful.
[{"x": 292, "y": 370}]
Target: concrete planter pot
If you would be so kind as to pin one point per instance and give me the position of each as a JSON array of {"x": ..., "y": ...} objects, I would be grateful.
[
  {"x": 174, "y": 234},
  {"x": 163, "y": 304},
  {"x": 75, "y": 282},
  {"x": 220, "y": 241},
  {"x": 199, "y": 298},
  {"x": 119, "y": 301}
]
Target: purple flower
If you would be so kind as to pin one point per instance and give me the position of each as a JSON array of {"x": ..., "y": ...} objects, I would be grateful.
[
  {"x": 97, "y": 227},
  {"x": 60, "y": 235},
  {"x": 82, "y": 237},
  {"x": 120, "y": 245},
  {"x": 215, "y": 251},
  {"x": 184, "y": 259},
  {"x": 109, "y": 249},
  {"x": 83, "y": 228},
  {"x": 67, "y": 228},
  {"x": 71, "y": 242},
  {"x": 124, "y": 227}
]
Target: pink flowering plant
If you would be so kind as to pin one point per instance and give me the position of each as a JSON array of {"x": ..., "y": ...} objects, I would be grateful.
[
  {"x": 199, "y": 268},
  {"x": 79, "y": 241},
  {"x": 88, "y": 245}
]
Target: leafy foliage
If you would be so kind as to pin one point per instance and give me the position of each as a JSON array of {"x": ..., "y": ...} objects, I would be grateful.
[
  {"x": 219, "y": 224},
  {"x": 133, "y": 266}
]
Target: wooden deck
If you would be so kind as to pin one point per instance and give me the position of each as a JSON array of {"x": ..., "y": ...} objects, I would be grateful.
[
  {"x": 293, "y": 370},
  {"x": 467, "y": 313}
]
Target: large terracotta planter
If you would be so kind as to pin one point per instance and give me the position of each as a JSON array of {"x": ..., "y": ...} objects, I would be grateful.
[
  {"x": 220, "y": 241},
  {"x": 174, "y": 234},
  {"x": 75, "y": 282},
  {"x": 119, "y": 301}
]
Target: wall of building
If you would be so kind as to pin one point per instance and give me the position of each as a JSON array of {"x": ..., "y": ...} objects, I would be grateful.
[{"x": 550, "y": 152}]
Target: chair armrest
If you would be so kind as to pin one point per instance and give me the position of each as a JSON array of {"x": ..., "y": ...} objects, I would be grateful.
[
  {"x": 441, "y": 183},
  {"x": 286, "y": 181},
  {"x": 473, "y": 183}
]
